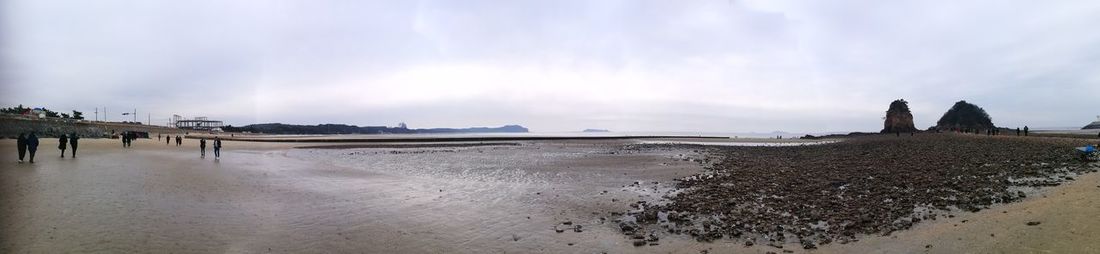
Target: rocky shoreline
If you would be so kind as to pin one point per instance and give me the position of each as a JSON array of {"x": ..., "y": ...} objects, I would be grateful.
[{"x": 870, "y": 185}]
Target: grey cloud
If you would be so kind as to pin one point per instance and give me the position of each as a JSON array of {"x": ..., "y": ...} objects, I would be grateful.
[{"x": 728, "y": 65}]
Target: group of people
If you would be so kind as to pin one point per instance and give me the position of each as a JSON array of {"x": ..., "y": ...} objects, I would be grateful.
[
  {"x": 168, "y": 139},
  {"x": 72, "y": 140},
  {"x": 217, "y": 147},
  {"x": 128, "y": 138},
  {"x": 27, "y": 144},
  {"x": 202, "y": 144}
]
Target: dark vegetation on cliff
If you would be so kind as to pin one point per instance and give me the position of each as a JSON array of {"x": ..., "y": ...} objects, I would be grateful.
[
  {"x": 898, "y": 118},
  {"x": 965, "y": 116},
  {"x": 278, "y": 128}
]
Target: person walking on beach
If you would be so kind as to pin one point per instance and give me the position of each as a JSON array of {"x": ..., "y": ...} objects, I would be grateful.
[
  {"x": 32, "y": 145},
  {"x": 61, "y": 143},
  {"x": 179, "y": 140},
  {"x": 217, "y": 147},
  {"x": 168, "y": 140},
  {"x": 124, "y": 138},
  {"x": 202, "y": 148},
  {"x": 72, "y": 142},
  {"x": 158, "y": 136},
  {"x": 1025, "y": 130},
  {"x": 21, "y": 144}
]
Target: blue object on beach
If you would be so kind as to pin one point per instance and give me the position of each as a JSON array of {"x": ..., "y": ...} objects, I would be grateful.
[{"x": 1089, "y": 149}]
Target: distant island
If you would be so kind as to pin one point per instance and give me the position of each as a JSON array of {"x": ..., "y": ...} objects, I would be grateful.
[
  {"x": 279, "y": 128},
  {"x": 595, "y": 130}
]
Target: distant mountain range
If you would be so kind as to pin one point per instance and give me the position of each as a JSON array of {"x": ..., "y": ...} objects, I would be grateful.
[{"x": 279, "y": 128}]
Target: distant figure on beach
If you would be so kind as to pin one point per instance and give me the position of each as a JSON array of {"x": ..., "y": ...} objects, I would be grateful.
[
  {"x": 217, "y": 147},
  {"x": 202, "y": 148},
  {"x": 72, "y": 142},
  {"x": 61, "y": 143},
  {"x": 179, "y": 140},
  {"x": 158, "y": 136},
  {"x": 168, "y": 140},
  {"x": 21, "y": 144},
  {"x": 1025, "y": 130},
  {"x": 32, "y": 145},
  {"x": 1017, "y": 131},
  {"x": 125, "y": 139}
]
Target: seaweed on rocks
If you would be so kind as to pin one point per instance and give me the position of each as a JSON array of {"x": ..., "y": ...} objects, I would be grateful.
[{"x": 870, "y": 185}]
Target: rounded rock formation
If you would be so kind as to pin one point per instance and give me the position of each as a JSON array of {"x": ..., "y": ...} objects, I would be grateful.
[{"x": 898, "y": 118}]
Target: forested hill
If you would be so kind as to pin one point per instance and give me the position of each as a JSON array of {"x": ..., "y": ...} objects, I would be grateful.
[{"x": 278, "y": 128}]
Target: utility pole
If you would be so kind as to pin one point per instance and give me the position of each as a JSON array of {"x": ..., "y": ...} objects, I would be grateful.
[
  {"x": 97, "y": 114},
  {"x": 105, "y": 114},
  {"x": 135, "y": 115}
]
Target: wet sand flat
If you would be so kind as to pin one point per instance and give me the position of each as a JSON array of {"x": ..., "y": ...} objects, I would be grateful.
[
  {"x": 263, "y": 197},
  {"x": 154, "y": 197}
]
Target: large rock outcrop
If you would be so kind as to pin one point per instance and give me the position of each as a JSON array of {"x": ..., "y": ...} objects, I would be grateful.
[
  {"x": 1093, "y": 125},
  {"x": 965, "y": 116},
  {"x": 898, "y": 118}
]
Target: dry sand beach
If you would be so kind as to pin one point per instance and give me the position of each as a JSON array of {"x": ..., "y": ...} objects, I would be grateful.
[{"x": 549, "y": 196}]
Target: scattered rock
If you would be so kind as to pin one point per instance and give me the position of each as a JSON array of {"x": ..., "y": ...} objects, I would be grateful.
[
  {"x": 1033, "y": 223},
  {"x": 866, "y": 185}
]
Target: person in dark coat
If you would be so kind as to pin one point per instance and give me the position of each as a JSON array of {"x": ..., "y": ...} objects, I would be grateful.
[
  {"x": 167, "y": 139},
  {"x": 21, "y": 144},
  {"x": 32, "y": 145},
  {"x": 62, "y": 142},
  {"x": 202, "y": 147},
  {"x": 217, "y": 147},
  {"x": 1025, "y": 130},
  {"x": 72, "y": 142},
  {"x": 179, "y": 140},
  {"x": 124, "y": 137}
]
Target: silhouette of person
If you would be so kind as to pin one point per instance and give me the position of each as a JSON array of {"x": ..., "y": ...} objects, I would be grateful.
[
  {"x": 72, "y": 142},
  {"x": 158, "y": 136},
  {"x": 61, "y": 143},
  {"x": 1017, "y": 131},
  {"x": 179, "y": 140},
  {"x": 21, "y": 144},
  {"x": 124, "y": 137},
  {"x": 217, "y": 147},
  {"x": 32, "y": 145},
  {"x": 1025, "y": 130},
  {"x": 168, "y": 140},
  {"x": 202, "y": 147}
]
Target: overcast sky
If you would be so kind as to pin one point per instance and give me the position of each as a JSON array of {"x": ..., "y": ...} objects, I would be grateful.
[{"x": 715, "y": 66}]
